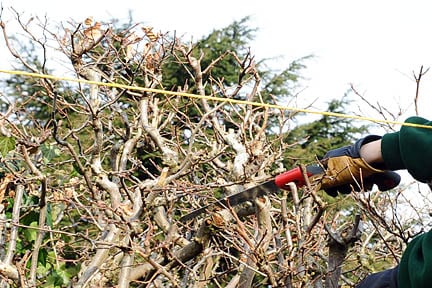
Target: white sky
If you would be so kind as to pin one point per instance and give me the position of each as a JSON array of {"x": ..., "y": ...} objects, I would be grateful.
[{"x": 374, "y": 44}]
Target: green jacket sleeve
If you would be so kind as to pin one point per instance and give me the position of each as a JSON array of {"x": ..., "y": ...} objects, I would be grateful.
[
  {"x": 415, "y": 267},
  {"x": 410, "y": 148}
]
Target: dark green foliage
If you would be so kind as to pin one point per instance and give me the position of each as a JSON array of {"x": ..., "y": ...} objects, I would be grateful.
[
  {"x": 313, "y": 140},
  {"x": 233, "y": 38},
  {"x": 283, "y": 84}
]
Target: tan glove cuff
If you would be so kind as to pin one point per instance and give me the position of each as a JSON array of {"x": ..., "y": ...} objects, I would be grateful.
[{"x": 344, "y": 169}]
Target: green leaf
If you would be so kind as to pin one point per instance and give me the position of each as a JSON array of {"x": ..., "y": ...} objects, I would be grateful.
[
  {"x": 31, "y": 234},
  {"x": 6, "y": 144},
  {"x": 49, "y": 152},
  {"x": 53, "y": 280},
  {"x": 66, "y": 274}
]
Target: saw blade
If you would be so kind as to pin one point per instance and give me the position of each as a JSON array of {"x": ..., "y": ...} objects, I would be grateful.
[{"x": 252, "y": 193}]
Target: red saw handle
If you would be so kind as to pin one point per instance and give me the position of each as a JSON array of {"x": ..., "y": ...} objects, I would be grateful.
[{"x": 295, "y": 175}]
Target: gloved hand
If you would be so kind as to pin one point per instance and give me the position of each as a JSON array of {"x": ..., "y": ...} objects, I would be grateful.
[
  {"x": 347, "y": 171},
  {"x": 385, "y": 181}
]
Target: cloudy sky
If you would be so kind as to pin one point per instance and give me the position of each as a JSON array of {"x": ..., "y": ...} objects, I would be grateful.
[{"x": 375, "y": 45}]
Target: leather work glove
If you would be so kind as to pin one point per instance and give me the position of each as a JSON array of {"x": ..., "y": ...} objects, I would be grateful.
[
  {"x": 347, "y": 171},
  {"x": 385, "y": 181}
]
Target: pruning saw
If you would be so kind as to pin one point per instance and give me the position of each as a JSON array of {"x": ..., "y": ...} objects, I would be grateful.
[{"x": 272, "y": 186}]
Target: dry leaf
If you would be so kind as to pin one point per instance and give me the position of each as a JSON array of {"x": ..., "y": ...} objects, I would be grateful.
[
  {"x": 88, "y": 21},
  {"x": 149, "y": 33},
  {"x": 93, "y": 33},
  {"x": 4, "y": 182}
]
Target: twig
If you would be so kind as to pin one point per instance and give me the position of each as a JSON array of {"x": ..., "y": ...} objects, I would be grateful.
[
  {"x": 417, "y": 80},
  {"x": 14, "y": 221}
]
